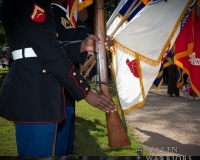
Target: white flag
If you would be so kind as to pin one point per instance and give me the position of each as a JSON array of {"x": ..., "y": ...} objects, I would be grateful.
[
  {"x": 134, "y": 6},
  {"x": 139, "y": 48}
]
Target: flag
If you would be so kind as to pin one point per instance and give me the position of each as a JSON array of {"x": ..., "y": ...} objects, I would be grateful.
[
  {"x": 116, "y": 11},
  {"x": 73, "y": 6},
  {"x": 84, "y": 3},
  {"x": 180, "y": 77},
  {"x": 121, "y": 11},
  {"x": 72, "y": 11},
  {"x": 165, "y": 63},
  {"x": 140, "y": 48},
  {"x": 180, "y": 73},
  {"x": 187, "y": 50}
]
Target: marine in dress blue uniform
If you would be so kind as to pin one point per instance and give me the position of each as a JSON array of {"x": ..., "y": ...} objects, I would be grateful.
[
  {"x": 66, "y": 32},
  {"x": 32, "y": 94}
]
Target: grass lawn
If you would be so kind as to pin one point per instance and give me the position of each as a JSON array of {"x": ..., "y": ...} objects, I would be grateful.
[
  {"x": 7, "y": 138},
  {"x": 90, "y": 136},
  {"x": 3, "y": 72}
]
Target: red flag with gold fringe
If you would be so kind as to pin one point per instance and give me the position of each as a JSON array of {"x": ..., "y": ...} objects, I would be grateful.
[{"x": 187, "y": 50}]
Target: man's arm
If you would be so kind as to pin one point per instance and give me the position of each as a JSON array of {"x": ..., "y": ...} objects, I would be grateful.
[
  {"x": 66, "y": 32},
  {"x": 41, "y": 36}
]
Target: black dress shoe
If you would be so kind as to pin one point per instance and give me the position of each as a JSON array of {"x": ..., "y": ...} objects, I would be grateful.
[{"x": 171, "y": 95}]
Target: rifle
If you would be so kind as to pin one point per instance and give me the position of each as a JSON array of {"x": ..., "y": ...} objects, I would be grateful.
[{"x": 117, "y": 135}]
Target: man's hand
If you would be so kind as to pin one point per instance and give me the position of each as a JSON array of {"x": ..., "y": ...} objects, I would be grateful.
[
  {"x": 87, "y": 45},
  {"x": 108, "y": 42},
  {"x": 100, "y": 101}
]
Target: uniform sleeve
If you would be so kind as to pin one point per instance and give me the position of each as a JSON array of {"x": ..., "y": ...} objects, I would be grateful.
[
  {"x": 66, "y": 32},
  {"x": 83, "y": 28},
  {"x": 78, "y": 58},
  {"x": 41, "y": 35}
]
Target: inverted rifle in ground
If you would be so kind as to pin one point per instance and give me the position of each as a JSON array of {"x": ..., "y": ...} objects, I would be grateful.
[{"x": 117, "y": 135}]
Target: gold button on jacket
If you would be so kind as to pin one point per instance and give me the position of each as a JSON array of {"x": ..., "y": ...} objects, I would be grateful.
[{"x": 44, "y": 70}]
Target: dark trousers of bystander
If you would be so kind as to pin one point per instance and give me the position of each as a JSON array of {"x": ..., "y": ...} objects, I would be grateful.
[{"x": 172, "y": 81}]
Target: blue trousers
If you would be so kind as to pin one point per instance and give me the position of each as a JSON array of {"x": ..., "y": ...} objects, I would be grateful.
[
  {"x": 39, "y": 139},
  {"x": 65, "y": 135},
  {"x": 71, "y": 136}
]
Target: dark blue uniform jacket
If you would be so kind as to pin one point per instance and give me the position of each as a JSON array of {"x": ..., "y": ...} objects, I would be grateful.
[{"x": 32, "y": 90}]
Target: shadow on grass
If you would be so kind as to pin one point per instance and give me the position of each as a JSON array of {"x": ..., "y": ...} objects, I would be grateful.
[
  {"x": 91, "y": 139},
  {"x": 86, "y": 137}
]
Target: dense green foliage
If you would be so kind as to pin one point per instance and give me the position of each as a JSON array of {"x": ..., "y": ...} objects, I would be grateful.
[{"x": 3, "y": 40}]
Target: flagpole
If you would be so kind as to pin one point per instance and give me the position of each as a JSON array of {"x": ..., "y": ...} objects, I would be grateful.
[
  {"x": 116, "y": 10},
  {"x": 125, "y": 17}
]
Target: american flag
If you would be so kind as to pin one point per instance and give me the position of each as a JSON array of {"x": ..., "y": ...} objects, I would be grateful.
[{"x": 71, "y": 6}]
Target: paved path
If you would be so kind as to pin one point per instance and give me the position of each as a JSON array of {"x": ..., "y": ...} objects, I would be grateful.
[{"x": 170, "y": 123}]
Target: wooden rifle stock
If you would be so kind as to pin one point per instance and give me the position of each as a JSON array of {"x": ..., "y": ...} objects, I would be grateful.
[{"x": 117, "y": 135}]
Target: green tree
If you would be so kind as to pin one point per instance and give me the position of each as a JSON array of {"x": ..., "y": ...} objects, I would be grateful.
[
  {"x": 3, "y": 40},
  {"x": 110, "y": 6}
]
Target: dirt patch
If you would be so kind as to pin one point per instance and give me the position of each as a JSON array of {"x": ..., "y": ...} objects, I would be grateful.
[{"x": 167, "y": 126}]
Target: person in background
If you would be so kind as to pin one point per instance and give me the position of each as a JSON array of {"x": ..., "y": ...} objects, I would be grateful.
[
  {"x": 32, "y": 93},
  {"x": 67, "y": 32},
  {"x": 172, "y": 79},
  {"x": 188, "y": 89},
  {"x": 165, "y": 75}
]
